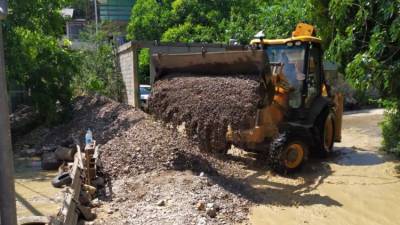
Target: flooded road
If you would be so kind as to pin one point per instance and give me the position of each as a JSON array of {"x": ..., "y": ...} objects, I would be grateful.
[
  {"x": 34, "y": 193},
  {"x": 358, "y": 185}
]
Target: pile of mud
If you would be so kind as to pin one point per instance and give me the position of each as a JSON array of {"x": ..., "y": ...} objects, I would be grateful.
[{"x": 207, "y": 105}]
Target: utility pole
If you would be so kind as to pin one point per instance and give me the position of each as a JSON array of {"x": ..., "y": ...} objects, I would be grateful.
[
  {"x": 95, "y": 15},
  {"x": 8, "y": 215}
]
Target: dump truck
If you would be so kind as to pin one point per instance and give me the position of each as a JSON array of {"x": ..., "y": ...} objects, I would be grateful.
[{"x": 298, "y": 113}]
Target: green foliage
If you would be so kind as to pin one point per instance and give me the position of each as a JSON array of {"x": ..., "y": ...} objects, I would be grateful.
[
  {"x": 144, "y": 69},
  {"x": 391, "y": 130},
  {"x": 279, "y": 18},
  {"x": 34, "y": 58},
  {"x": 366, "y": 46},
  {"x": 99, "y": 69},
  {"x": 150, "y": 18}
]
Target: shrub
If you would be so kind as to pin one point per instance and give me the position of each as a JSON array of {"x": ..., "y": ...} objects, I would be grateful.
[{"x": 391, "y": 131}]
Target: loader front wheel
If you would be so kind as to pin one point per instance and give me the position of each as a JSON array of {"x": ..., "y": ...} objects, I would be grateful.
[{"x": 287, "y": 153}]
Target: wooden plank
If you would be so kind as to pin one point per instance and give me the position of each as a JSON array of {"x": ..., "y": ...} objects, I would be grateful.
[{"x": 72, "y": 199}]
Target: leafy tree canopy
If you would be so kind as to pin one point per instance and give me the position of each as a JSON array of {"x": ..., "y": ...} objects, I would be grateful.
[{"x": 34, "y": 57}]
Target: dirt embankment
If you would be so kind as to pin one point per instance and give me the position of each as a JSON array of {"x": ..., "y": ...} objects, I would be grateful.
[
  {"x": 145, "y": 161},
  {"x": 206, "y": 105}
]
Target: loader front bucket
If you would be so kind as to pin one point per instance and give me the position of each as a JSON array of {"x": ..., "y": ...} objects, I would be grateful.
[{"x": 212, "y": 63}]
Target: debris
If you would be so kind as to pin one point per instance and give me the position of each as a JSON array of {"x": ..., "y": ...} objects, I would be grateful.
[
  {"x": 49, "y": 161},
  {"x": 211, "y": 210},
  {"x": 86, "y": 212},
  {"x": 65, "y": 154},
  {"x": 202, "y": 221},
  {"x": 23, "y": 120},
  {"x": 200, "y": 206},
  {"x": 110, "y": 211},
  {"x": 134, "y": 141},
  {"x": 90, "y": 189},
  {"x": 99, "y": 181},
  {"x": 207, "y": 105},
  {"x": 61, "y": 180},
  {"x": 95, "y": 202},
  {"x": 161, "y": 203}
]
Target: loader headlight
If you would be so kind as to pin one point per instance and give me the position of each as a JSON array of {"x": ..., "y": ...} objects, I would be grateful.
[
  {"x": 297, "y": 43},
  {"x": 290, "y": 44}
]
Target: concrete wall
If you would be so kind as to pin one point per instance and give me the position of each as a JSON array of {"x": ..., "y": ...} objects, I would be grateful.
[{"x": 128, "y": 59}]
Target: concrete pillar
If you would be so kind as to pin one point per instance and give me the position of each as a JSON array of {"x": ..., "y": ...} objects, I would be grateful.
[
  {"x": 128, "y": 59},
  {"x": 7, "y": 188}
]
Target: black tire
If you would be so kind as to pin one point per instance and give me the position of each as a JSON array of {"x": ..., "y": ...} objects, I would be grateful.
[
  {"x": 61, "y": 179},
  {"x": 319, "y": 129},
  {"x": 279, "y": 150}
]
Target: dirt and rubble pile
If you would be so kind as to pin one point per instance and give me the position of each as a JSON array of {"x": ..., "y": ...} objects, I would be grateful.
[
  {"x": 135, "y": 146},
  {"x": 132, "y": 142},
  {"x": 102, "y": 115},
  {"x": 23, "y": 120},
  {"x": 188, "y": 199},
  {"x": 206, "y": 105}
]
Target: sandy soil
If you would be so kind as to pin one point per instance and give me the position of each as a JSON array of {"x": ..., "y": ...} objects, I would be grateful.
[{"x": 358, "y": 185}]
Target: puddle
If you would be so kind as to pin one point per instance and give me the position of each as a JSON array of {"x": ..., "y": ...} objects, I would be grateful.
[{"x": 34, "y": 193}]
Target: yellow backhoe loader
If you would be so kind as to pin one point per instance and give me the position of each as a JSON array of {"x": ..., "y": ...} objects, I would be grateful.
[{"x": 298, "y": 115}]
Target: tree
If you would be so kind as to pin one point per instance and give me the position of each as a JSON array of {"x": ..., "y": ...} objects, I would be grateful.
[
  {"x": 99, "y": 69},
  {"x": 34, "y": 57},
  {"x": 149, "y": 20},
  {"x": 366, "y": 46}
]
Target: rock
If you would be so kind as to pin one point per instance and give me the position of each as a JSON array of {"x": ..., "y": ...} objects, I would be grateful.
[
  {"x": 90, "y": 189},
  {"x": 65, "y": 154},
  {"x": 126, "y": 169},
  {"x": 49, "y": 161},
  {"x": 200, "y": 206},
  {"x": 201, "y": 174},
  {"x": 211, "y": 210},
  {"x": 119, "y": 200},
  {"x": 96, "y": 202},
  {"x": 161, "y": 203},
  {"x": 99, "y": 181},
  {"x": 84, "y": 198},
  {"x": 86, "y": 212},
  {"x": 202, "y": 221},
  {"x": 110, "y": 211}
]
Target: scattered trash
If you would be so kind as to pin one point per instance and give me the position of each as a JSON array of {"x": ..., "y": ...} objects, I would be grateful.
[{"x": 61, "y": 180}]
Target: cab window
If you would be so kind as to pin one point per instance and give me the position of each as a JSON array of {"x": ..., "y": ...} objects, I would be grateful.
[{"x": 313, "y": 75}]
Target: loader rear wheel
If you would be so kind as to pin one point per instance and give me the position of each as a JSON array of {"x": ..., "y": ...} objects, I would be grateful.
[
  {"x": 287, "y": 153},
  {"x": 325, "y": 133}
]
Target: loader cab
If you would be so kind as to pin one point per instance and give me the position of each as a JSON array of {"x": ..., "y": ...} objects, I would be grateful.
[{"x": 300, "y": 59}]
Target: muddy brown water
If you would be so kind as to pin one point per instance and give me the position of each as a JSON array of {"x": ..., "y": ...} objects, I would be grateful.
[
  {"x": 359, "y": 185},
  {"x": 35, "y": 195}
]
